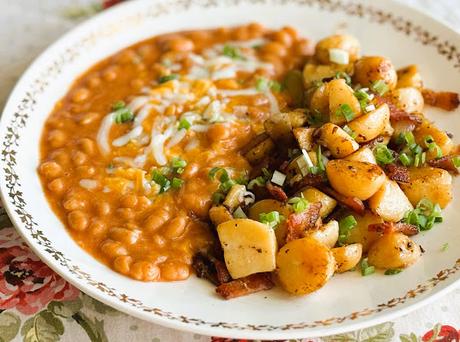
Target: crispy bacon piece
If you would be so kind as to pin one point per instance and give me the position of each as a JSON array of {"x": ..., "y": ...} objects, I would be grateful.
[
  {"x": 397, "y": 173},
  {"x": 442, "y": 99},
  {"x": 445, "y": 163},
  {"x": 244, "y": 286},
  {"x": 297, "y": 224},
  {"x": 353, "y": 203},
  {"x": 397, "y": 114},
  {"x": 308, "y": 180},
  {"x": 391, "y": 227},
  {"x": 210, "y": 268},
  {"x": 277, "y": 192}
]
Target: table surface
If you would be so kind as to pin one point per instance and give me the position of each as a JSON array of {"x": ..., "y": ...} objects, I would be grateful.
[{"x": 57, "y": 311}]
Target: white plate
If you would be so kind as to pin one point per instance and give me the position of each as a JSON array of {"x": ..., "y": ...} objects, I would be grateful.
[{"x": 348, "y": 301}]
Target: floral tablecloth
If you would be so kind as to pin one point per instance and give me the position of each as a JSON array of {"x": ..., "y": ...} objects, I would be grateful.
[{"x": 36, "y": 305}]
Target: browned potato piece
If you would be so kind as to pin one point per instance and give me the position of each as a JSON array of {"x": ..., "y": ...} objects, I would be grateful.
[
  {"x": 370, "y": 125},
  {"x": 370, "y": 69},
  {"x": 260, "y": 151},
  {"x": 297, "y": 118},
  {"x": 364, "y": 154},
  {"x": 338, "y": 41},
  {"x": 409, "y": 99},
  {"x": 409, "y": 77},
  {"x": 360, "y": 233},
  {"x": 249, "y": 247},
  {"x": 394, "y": 250},
  {"x": 431, "y": 183},
  {"x": 347, "y": 257},
  {"x": 304, "y": 265},
  {"x": 269, "y": 205},
  {"x": 279, "y": 127},
  {"x": 341, "y": 94},
  {"x": 355, "y": 179},
  {"x": 336, "y": 140},
  {"x": 320, "y": 100},
  {"x": 313, "y": 195},
  {"x": 219, "y": 214},
  {"x": 441, "y": 138},
  {"x": 304, "y": 137},
  {"x": 328, "y": 233},
  {"x": 314, "y": 72},
  {"x": 390, "y": 202}
]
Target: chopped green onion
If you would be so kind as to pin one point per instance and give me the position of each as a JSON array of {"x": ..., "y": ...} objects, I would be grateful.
[
  {"x": 213, "y": 172},
  {"x": 167, "y": 78},
  {"x": 267, "y": 174},
  {"x": 345, "y": 226},
  {"x": 239, "y": 213},
  {"x": 380, "y": 87},
  {"x": 405, "y": 159},
  {"x": 299, "y": 204},
  {"x": 232, "y": 52},
  {"x": 161, "y": 180},
  {"x": 177, "y": 183},
  {"x": 393, "y": 271},
  {"x": 272, "y": 219},
  {"x": 432, "y": 146},
  {"x": 343, "y": 75},
  {"x": 445, "y": 247},
  {"x": 349, "y": 131},
  {"x": 456, "y": 161},
  {"x": 241, "y": 180},
  {"x": 320, "y": 161},
  {"x": 418, "y": 160},
  {"x": 316, "y": 118},
  {"x": 217, "y": 197},
  {"x": 184, "y": 124},
  {"x": 339, "y": 56},
  {"x": 345, "y": 111},
  {"x": 225, "y": 186},
  {"x": 383, "y": 154},
  {"x": 263, "y": 85},
  {"x": 363, "y": 97},
  {"x": 121, "y": 113},
  {"x": 259, "y": 181},
  {"x": 278, "y": 178},
  {"x": 366, "y": 269},
  {"x": 118, "y": 105},
  {"x": 407, "y": 138},
  {"x": 178, "y": 164},
  {"x": 425, "y": 215}
]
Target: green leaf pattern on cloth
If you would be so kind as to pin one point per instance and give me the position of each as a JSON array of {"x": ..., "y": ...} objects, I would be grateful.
[
  {"x": 43, "y": 327},
  {"x": 379, "y": 333},
  {"x": 9, "y": 326}
]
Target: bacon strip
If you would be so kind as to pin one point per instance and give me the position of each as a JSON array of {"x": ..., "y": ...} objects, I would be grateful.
[
  {"x": 353, "y": 203},
  {"x": 308, "y": 180},
  {"x": 210, "y": 268},
  {"x": 442, "y": 99},
  {"x": 397, "y": 114},
  {"x": 391, "y": 227},
  {"x": 244, "y": 286},
  {"x": 277, "y": 192},
  {"x": 397, "y": 173},
  {"x": 445, "y": 163},
  {"x": 297, "y": 224}
]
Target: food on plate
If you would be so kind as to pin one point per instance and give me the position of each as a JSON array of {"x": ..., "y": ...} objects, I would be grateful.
[{"x": 250, "y": 157}]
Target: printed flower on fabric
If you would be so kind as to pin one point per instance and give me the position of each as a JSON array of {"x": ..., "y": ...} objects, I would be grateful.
[{"x": 26, "y": 283}]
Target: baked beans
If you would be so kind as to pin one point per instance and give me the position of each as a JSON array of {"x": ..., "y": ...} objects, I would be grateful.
[{"x": 108, "y": 199}]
